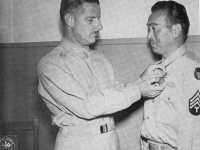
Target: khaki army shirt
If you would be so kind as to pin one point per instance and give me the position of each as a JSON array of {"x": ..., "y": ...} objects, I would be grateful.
[
  {"x": 173, "y": 118},
  {"x": 78, "y": 86}
]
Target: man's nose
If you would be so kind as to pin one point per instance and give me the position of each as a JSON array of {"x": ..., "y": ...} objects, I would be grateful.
[
  {"x": 150, "y": 35},
  {"x": 98, "y": 25}
]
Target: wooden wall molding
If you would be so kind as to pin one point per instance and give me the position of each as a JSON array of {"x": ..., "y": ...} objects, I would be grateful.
[{"x": 192, "y": 38}]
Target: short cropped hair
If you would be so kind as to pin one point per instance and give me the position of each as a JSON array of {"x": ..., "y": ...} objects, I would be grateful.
[
  {"x": 68, "y": 6},
  {"x": 176, "y": 14}
]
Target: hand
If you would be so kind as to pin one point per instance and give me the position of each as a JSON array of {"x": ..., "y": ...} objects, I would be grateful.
[
  {"x": 152, "y": 69},
  {"x": 150, "y": 87}
]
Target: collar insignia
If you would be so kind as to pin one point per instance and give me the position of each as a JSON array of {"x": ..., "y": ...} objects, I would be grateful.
[
  {"x": 194, "y": 104},
  {"x": 197, "y": 73}
]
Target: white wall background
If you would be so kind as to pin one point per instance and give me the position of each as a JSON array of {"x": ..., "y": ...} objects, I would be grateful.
[
  {"x": 38, "y": 20},
  {"x": 128, "y": 18}
]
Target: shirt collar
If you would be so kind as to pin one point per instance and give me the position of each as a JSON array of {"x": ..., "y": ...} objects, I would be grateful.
[
  {"x": 175, "y": 55},
  {"x": 79, "y": 50}
]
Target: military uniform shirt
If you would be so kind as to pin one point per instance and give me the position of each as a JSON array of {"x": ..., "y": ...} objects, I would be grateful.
[
  {"x": 78, "y": 86},
  {"x": 167, "y": 118}
]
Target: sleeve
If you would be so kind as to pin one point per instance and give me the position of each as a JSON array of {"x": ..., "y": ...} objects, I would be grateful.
[
  {"x": 189, "y": 113},
  {"x": 68, "y": 93}
]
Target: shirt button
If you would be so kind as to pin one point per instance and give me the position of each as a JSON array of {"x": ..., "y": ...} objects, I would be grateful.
[
  {"x": 73, "y": 48},
  {"x": 168, "y": 98},
  {"x": 62, "y": 54},
  {"x": 147, "y": 117}
]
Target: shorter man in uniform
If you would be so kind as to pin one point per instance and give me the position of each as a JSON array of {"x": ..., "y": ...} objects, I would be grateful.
[{"x": 171, "y": 120}]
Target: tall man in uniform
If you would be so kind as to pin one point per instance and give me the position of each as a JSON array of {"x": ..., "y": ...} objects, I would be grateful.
[
  {"x": 78, "y": 84},
  {"x": 172, "y": 119}
]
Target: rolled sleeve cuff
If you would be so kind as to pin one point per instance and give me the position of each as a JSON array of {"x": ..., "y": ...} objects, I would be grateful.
[{"x": 60, "y": 119}]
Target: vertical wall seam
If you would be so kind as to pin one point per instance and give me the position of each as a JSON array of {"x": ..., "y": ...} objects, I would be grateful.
[
  {"x": 199, "y": 15},
  {"x": 11, "y": 21}
]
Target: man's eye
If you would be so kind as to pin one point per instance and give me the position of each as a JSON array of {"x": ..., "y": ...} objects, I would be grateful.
[
  {"x": 153, "y": 28},
  {"x": 90, "y": 20}
]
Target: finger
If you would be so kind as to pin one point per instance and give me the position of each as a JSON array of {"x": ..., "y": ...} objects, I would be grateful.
[
  {"x": 158, "y": 87},
  {"x": 157, "y": 67},
  {"x": 158, "y": 75},
  {"x": 160, "y": 67},
  {"x": 153, "y": 78},
  {"x": 156, "y": 94},
  {"x": 153, "y": 94}
]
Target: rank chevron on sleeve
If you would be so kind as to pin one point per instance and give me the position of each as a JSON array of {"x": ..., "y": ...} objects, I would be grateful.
[{"x": 194, "y": 104}]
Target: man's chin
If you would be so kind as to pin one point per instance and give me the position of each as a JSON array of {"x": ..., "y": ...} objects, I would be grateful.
[
  {"x": 156, "y": 50},
  {"x": 92, "y": 41}
]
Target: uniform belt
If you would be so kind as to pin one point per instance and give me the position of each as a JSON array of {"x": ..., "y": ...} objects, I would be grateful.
[
  {"x": 158, "y": 146},
  {"x": 87, "y": 129}
]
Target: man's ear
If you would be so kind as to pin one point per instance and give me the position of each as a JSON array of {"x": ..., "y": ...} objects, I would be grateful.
[
  {"x": 69, "y": 19},
  {"x": 177, "y": 30}
]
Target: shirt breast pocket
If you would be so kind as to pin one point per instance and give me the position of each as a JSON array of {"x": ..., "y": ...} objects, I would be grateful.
[{"x": 164, "y": 110}]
